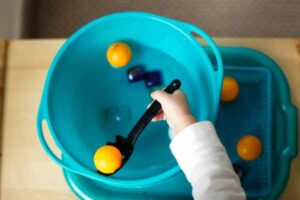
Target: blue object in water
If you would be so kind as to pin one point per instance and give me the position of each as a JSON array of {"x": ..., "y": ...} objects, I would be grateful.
[
  {"x": 239, "y": 170},
  {"x": 153, "y": 79},
  {"x": 81, "y": 83},
  {"x": 115, "y": 119},
  {"x": 136, "y": 73}
]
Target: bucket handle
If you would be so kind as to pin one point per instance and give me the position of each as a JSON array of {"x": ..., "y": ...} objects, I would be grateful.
[
  {"x": 48, "y": 150},
  {"x": 210, "y": 43},
  {"x": 189, "y": 29}
]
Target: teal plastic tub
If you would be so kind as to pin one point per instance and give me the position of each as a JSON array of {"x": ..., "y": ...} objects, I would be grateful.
[
  {"x": 263, "y": 108},
  {"x": 83, "y": 94}
]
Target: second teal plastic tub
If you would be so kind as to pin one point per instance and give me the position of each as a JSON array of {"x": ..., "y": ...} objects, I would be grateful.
[{"x": 263, "y": 108}]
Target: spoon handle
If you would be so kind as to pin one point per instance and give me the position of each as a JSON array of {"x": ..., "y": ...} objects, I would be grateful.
[{"x": 150, "y": 113}]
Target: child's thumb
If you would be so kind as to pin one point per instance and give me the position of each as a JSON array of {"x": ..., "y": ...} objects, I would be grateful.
[{"x": 160, "y": 95}]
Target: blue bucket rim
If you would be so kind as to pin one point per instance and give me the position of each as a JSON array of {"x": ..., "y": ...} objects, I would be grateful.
[{"x": 43, "y": 113}]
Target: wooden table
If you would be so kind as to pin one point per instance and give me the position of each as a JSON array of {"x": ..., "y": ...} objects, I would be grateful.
[{"x": 26, "y": 171}]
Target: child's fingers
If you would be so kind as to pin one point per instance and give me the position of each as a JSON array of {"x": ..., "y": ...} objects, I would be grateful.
[
  {"x": 178, "y": 92},
  {"x": 160, "y": 96},
  {"x": 158, "y": 117}
]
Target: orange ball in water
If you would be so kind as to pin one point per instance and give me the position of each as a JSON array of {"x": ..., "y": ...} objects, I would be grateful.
[
  {"x": 108, "y": 159},
  {"x": 118, "y": 54},
  {"x": 249, "y": 147},
  {"x": 230, "y": 89}
]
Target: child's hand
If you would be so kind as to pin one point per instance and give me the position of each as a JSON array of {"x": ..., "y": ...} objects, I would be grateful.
[{"x": 175, "y": 110}]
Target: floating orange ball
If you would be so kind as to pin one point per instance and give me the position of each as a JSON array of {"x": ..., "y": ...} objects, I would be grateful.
[
  {"x": 108, "y": 159},
  {"x": 118, "y": 54},
  {"x": 249, "y": 147},
  {"x": 230, "y": 89}
]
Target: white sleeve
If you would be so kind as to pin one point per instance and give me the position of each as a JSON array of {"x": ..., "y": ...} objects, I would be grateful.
[{"x": 204, "y": 161}]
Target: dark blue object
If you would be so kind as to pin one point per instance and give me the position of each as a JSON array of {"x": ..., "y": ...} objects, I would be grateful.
[
  {"x": 136, "y": 73},
  {"x": 239, "y": 170},
  {"x": 153, "y": 79}
]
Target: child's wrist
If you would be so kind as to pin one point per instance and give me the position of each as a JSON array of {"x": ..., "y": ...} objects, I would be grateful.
[{"x": 186, "y": 121}]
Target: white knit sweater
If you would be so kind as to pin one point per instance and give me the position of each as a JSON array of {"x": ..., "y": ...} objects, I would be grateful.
[{"x": 204, "y": 161}]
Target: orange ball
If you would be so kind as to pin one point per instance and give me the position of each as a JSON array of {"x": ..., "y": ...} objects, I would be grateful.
[
  {"x": 108, "y": 159},
  {"x": 249, "y": 147},
  {"x": 118, "y": 54},
  {"x": 230, "y": 89}
]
